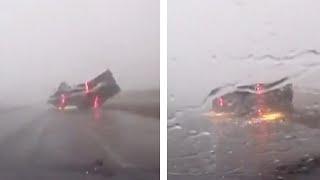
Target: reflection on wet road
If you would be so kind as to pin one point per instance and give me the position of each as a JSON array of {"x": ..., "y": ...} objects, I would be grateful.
[
  {"x": 209, "y": 147},
  {"x": 37, "y": 143}
]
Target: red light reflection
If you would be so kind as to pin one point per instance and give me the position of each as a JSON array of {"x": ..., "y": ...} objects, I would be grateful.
[
  {"x": 96, "y": 102},
  {"x": 97, "y": 111},
  {"x": 97, "y": 114}
]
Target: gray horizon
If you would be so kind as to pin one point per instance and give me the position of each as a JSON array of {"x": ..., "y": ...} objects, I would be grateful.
[{"x": 45, "y": 42}]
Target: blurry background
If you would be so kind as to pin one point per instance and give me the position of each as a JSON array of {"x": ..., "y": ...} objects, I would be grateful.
[
  {"x": 45, "y": 42},
  {"x": 212, "y": 43}
]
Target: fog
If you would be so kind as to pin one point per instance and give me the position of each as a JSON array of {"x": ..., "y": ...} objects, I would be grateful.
[
  {"x": 213, "y": 42},
  {"x": 45, "y": 42}
]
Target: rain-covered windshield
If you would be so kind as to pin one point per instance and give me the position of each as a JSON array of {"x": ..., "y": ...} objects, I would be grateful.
[{"x": 243, "y": 91}]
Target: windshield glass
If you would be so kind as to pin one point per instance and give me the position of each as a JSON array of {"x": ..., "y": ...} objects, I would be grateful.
[{"x": 243, "y": 95}]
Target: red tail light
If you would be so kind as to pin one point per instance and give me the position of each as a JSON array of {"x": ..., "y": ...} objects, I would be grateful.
[
  {"x": 63, "y": 100},
  {"x": 259, "y": 88},
  {"x": 220, "y": 101}
]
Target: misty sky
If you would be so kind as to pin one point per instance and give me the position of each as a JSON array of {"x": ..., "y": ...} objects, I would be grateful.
[
  {"x": 44, "y": 42},
  {"x": 209, "y": 40}
]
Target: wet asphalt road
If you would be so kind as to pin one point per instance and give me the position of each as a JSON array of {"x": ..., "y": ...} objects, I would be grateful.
[
  {"x": 203, "y": 148},
  {"x": 41, "y": 143}
]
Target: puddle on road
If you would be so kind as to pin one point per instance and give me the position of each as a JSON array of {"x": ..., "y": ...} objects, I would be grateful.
[{"x": 221, "y": 145}]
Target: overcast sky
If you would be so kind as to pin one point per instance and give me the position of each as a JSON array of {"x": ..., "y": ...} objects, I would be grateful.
[
  {"x": 44, "y": 42},
  {"x": 209, "y": 40}
]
